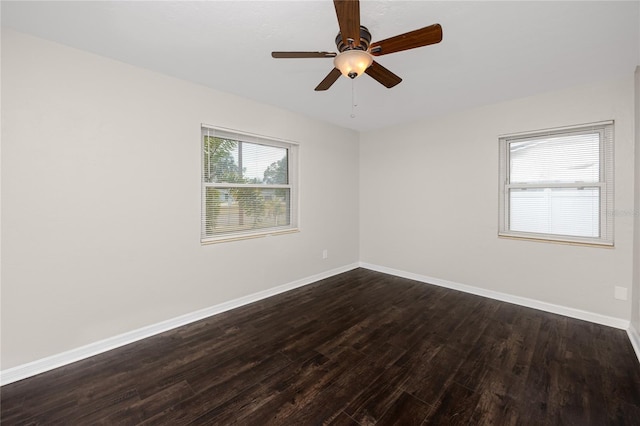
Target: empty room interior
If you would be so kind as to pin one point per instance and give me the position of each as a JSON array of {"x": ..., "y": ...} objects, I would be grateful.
[{"x": 320, "y": 212}]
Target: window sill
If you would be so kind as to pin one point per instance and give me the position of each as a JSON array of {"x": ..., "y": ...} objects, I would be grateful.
[
  {"x": 225, "y": 239},
  {"x": 557, "y": 241}
]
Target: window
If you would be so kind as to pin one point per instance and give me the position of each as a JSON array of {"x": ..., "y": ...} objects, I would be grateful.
[
  {"x": 249, "y": 185},
  {"x": 558, "y": 184}
]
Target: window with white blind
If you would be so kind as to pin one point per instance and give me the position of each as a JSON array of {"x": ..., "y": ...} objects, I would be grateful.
[
  {"x": 249, "y": 185},
  {"x": 558, "y": 184}
]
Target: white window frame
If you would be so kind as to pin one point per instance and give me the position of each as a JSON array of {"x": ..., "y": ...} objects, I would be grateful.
[
  {"x": 605, "y": 184},
  {"x": 292, "y": 185}
]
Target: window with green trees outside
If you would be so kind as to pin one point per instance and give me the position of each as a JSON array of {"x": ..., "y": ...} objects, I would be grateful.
[{"x": 249, "y": 185}]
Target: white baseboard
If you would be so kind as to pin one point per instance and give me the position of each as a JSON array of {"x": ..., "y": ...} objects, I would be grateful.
[
  {"x": 30, "y": 369},
  {"x": 58, "y": 360},
  {"x": 634, "y": 336},
  {"x": 504, "y": 297}
]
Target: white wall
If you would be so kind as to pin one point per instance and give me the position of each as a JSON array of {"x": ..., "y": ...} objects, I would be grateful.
[
  {"x": 101, "y": 199},
  {"x": 635, "y": 304},
  {"x": 429, "y": 202}
]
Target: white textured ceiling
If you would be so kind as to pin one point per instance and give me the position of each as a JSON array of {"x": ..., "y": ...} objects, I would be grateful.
[{"x": 491, "y": 51}]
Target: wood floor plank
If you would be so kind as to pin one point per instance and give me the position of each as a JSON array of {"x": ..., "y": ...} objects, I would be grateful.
[
  {"x": 282, "y": 396},
  {"x": 369, "y": 406},
  {"x": 405, "y": 411},
  {"x": 498, "y": 401},
  {"x": 331, "y": 400},
  {"x": 359, "y": 348},
  {"x": 343, "y": 420},
  {"x": 321, "y": 401},
  {"x": 429, "y": 380},
  {"x": 225, "y": 399},
  {"x": 146, "y": 408},
  {"x": 455, "y": 407}
]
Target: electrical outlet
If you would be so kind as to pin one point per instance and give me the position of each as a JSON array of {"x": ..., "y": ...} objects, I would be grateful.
[
  {"x": 325, "y": 253},
  {"x": 620, "y": 293}
]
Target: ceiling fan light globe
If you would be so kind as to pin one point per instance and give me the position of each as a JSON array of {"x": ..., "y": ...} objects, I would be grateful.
[{"x": 352, "y": 63}]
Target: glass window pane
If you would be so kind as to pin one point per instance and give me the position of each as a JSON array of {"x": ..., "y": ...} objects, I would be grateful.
[
  {"x": 556, "y": 159},
  {"x": 230, "y": 161},
  {"x": 264, "y": 164},
  {"x": 246, "y": 209},
  {"x": 561, "y": 211},
  {"x": 220, "y": 163}
]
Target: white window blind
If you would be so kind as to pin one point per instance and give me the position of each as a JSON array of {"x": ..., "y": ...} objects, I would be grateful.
[
  {"x": 558, "y": 184},
  {"x": 249, "y": 185}
]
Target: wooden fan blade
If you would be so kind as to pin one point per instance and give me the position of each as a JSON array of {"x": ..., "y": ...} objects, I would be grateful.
[
  {"x": 348, "y": 12},
  {"x": 418, "y": 38},
  {"x": 383, "y": 75},
  {"x": 303, "y": 54},
  {"x": 329, "y": 80}
]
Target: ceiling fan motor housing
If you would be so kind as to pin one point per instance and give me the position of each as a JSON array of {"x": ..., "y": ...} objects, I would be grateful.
[{"x": 365, "y": 40}]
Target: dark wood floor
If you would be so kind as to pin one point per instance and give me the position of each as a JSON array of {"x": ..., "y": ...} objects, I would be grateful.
[{"x": 360, "y": 348}]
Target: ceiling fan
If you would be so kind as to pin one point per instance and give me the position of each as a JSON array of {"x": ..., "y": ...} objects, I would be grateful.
[{"x": 356, "y": 51}]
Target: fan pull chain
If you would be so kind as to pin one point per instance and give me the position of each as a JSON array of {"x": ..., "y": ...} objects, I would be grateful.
[{"x": 353, "y": 98}]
